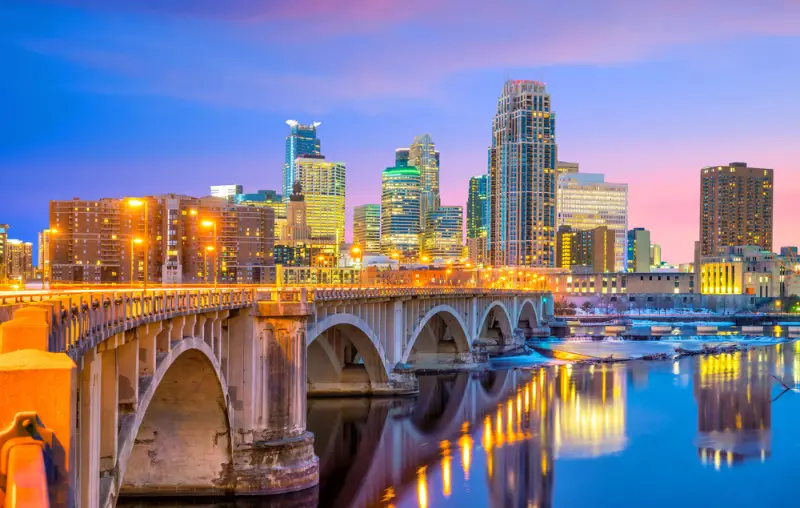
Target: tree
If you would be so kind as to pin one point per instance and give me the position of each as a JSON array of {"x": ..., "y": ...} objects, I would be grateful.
[{"x": 586, "y": 306}]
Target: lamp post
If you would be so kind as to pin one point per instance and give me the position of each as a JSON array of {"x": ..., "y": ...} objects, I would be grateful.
[
  {"x": 134, "y": 242},
  {"x": 209, "y": 248},
  {"x": 47, "y": 269},
  {"x": 136, "y": 203},
  {"x": 213, "y": 225}
]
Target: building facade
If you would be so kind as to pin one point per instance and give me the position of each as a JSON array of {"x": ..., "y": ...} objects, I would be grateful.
[
  {"x": 302, "y": 140},
  {"x": 478, "y": 207},
  {"x": 655, "y": 255},
  {"x": 587, "y": 201},
  {"x": 522, "y": 171},
  {"x": 735, "y": 207},
  {"x": 422, "y": 155},
  {"x": 639, "y": 252},
  {"x": 19, "y": 264},
  {"x": 591, "y": 248},
  {"x": 745, "y": 270},
  {"x": 323, "y": 185},
  {"x": 444, "y": 232},
  {"x": 270, "y": 199},
  {"x": 227, "y": 192},
  {"x": 400, "y": 211},
  {"x": 367, "y": 228},
  {"x": 589, "y": 284},
  {"x": 3, "y": 252}
]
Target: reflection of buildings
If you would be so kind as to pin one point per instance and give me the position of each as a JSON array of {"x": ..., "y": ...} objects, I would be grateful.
[
  {"x": 589, "y": 411},
  {"x": 733, "y": 400}
]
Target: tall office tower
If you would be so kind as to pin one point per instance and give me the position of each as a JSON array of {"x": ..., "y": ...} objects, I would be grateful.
[
  {"x": 97, "y": 240},
  {"x": 586, "y": 201},
  {"x": 296, "y": 230},
  {"x": 478, "y": 207},
  {"x": 522, "y": 171},
  {"x": 567, "y": 167},
  {"x": 302, "y": 140},
  {"x": 422, "y": 155},
  {"x": 638, "y": 250},
  {"x": 323, "y": 185},
  {"x": 655, "y": 254},
  {"x": 735, "y": 207},
  {"x": 367, "y": 228},
  {"x": 401, "y": 157},
  {"x": 593, "y": 248},
  {"x": 269, "y": 199},
  {"x": 400, "y": 209},
  {"x": 444, "y": 232},
  {"x": 19, "y": 265},
  {"x": 3, "y": 252},
  {"x": 228, "y": 192}
]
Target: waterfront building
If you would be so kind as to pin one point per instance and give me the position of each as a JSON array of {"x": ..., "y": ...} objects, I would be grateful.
[
  {"x": 3, "y": 252},
  {"x": 735, "y": 207},
  {"x": 323, "y": 185},
  {"x": 270, "y": 199},
  {"x": 522, "y": 171},
  {"x": 227, "y": 192},
  {"x": 639, "y": 259},
  {"x": 19, "y": 260},
  {"x": 302, "y": 140},
  {"x": 586, "y": 201},
  {"x": 367, "y": 228},
  {"x": 400, "y": 211},
  {"x": 443, "y": 235},
  {"x": 104, "y": 240},
  {"x": 744, "y": 270},
  {"x": 594, "y": 284},
  {"x": 592, "y": 248},
  {"x": 655, "y": 255}
]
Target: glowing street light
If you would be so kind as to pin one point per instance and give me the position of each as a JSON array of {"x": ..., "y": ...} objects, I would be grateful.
[
  {"x": 136, "y": 203},
  {"x": 213, "y": 225}
]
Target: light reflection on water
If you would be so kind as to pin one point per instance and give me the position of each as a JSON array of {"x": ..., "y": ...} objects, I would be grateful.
[{"x": 698, "y": 431}]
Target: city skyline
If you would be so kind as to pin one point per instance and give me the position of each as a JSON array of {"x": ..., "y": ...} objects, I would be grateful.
[{"x": 92, "y": 120}]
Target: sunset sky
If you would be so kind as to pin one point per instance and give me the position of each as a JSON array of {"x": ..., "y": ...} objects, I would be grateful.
[{"x": 105, "y": 98}]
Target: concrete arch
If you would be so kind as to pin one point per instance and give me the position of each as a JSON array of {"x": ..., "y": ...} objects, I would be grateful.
[
  {"x": 180, "y": 433},
  {"x": 503, "y": 318},
  {"x": 438, "y": 410},
  {"x": 528, "y": 305},
  {"x": 324, "y": 366},
  {"x": 528, "y": 317},
  {"x": 452, "y": 319}
]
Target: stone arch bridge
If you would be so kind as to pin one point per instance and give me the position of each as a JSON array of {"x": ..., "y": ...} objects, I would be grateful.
[{"x": 203, "y": 391}]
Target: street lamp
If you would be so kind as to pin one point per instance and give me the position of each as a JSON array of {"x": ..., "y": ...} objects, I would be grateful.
[
  {"x": 209, "y": 248},
  {"x": 136, "y": 203},
  {"x": 134, "y": 242},
  {"x": 47, "y": 261},
  {"x": 213, "y": 225}
]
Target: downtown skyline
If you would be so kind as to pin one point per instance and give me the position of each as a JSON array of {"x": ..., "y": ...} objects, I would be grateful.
[{"x": 90, "y": 128}]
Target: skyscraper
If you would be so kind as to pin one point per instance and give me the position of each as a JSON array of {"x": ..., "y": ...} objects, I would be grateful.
[
  {"x": 323, "y": 186},
  {"x": 422, "y": 155},
  {"x": 296, "y": 230},
  {"x": 639, "y": 250},
  {"x": 20, "y": 260},
  {"x": 735, "y": 207},
  {"x": 655, "y": 254},
  {"x": 3, "y": 252},
  {"x": 367, "y": 228},
  {"x": 586, "y": 201},
  {"x": 268, "y": 199},
  {"x": 400, "y": 209},
  {"x": 302, "y": 140},
  {"x": 522, "y": 169},
  {"x": 478, "y": 207},
  {"x": 444, "y": 231},
  {"x": 401, "y": 158}
]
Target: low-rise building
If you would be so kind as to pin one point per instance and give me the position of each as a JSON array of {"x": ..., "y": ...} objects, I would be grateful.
[{"x": 744, "y": 270}]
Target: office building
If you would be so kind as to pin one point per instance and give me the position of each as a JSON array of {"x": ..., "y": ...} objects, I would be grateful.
[
  {"x": 3, "y": 252},
  {"x": 478, "y": 207},
  {"x": 400, "y": 210},
  {"x": 270, "y": 199},
  {"x": 522, "y": 171},
  {"x": 443, "y": 234},
  {"x": 367, "y": 228},
  {"x": 567, "y": 167},
  {"x": 227, "y": 192},
  {"x": 301, "y": 141},
  {"x": 43, "y": 261},
  {"x": 639, "y": 250},
  {"x": 19, "y": 260},
  {"x": 296, "y": 231},
  {"x": 97, "y": 240},
  {"x": 323, "y": 185},
  {"x": 655, "y": 255},
  {"x": 586, "y": 201},
  {"x": 401, "y": 158},
  {"x": 590, "y": 248},
  {"x": 735, "y": 207},
  {"x": 422, "y": 155}
]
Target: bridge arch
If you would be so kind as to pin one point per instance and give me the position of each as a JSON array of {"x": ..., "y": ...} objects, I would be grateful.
[
  {"x": 439, "y": 408},
  {"x": 179, "y": 439},
  {"x": 442, "y": 327},
  {"x": 528, "y": 317},
  {"x": 495, "y": 322},
  {"x": 330, "y": 359}
]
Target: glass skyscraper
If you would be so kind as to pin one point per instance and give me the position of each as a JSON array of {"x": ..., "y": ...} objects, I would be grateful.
[
  {"x": 323, "y": 185},
  {"x": 444, "y": 231},
  {"x": 400, "y": 211},
  {"x": 522, "y": 171},
  {"x": 478, "y": 207},
  {"x": 302, "y": 140},
  {"x": 367, "y": 228}
]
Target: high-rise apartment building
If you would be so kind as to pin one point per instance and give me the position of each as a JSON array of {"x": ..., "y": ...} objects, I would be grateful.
[
  {"x": 586, "y": 201},
  {"x": 444, "y": 232},
  {"x": 735, "y": 207},
  {"x": 400, "y": 210},
  {"x": 522, "y": 171},
  {"x": 591, "y": 248},
  {"x": 3, "y": 252},
  {"x": 19, "y": 264},
  {"x": 227, "y": 192},
  {"x": 302, "y": 140},
  {"x": 96, "y": 240},
  {"x": 270, "y": 199},
  {"x": 323, "y": 185},
  {"x": 478, "y": 207},
  {"x": 655, "y": 254},
  {"x": 638, "y": 250},
  {"x": 367, "y": 228}
]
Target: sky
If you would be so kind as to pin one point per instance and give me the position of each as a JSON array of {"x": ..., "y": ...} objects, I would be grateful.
[{"x": 110, "y": 98}]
